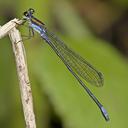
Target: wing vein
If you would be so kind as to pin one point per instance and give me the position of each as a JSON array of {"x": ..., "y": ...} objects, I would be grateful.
[{"x": 78, "y": 65}]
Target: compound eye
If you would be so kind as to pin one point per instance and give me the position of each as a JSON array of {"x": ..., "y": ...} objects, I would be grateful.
[
  {"x": 26, "y": 14},
  {"x": 31, "y": 10}
]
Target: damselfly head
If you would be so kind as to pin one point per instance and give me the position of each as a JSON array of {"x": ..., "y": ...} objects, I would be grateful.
[{"x": 29, "y": 12}]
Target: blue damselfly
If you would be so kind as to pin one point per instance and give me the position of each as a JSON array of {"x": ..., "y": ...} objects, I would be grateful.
[{"x": 78, "y": 66}]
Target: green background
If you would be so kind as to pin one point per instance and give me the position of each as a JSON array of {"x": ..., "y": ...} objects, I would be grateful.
[{"x": 57, "y": 95}]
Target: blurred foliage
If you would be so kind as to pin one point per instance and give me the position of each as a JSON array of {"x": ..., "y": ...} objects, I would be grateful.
[{"x": 59, "y": 101}]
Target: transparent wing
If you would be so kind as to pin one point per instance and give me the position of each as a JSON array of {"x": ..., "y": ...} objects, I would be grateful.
[{"x": 75, "y": 62}]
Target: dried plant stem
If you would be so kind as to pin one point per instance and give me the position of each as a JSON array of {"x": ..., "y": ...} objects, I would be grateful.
[
  {"x": 25, "y": 89},
  {"x": 4, "y": 30}
]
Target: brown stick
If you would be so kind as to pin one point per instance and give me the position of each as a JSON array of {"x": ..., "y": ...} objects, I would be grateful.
[{"x": 19, "y": 52}]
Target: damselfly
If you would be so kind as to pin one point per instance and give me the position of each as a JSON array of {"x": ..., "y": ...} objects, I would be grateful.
[{"x": 75, "y": 63}]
